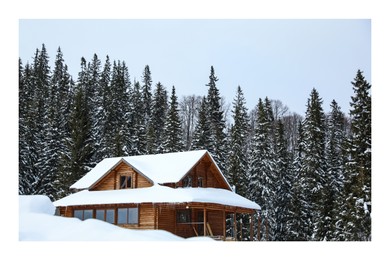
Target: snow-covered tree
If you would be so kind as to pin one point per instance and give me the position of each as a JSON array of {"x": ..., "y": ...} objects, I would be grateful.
[
  {"x": 202, "y": 134},
  {"x": 215, "y": 116},
  {"x": 238, "y": 161},
  {"x": 262, "y": 175},
  {"x": 172, "y": 130},
  {"x": 358, "y": 166},
  {"x": 314, "y": 166},
  {"x": 155, "y": 128}
]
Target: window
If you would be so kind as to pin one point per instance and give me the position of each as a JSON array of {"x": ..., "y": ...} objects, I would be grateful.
[
  {"x": 78, "y": 214},
  {"x": 183, "y": 216},
  {"x": 128, "y": 216},
  {"x": 107, "y": 215},
  {"x": 187, "y": 182},
  {"x": 200, "y": 182},
  {"x": 110, "y": 216},
  {"x": 125, "y": 182},
  {"x": 83, "y": 214}
]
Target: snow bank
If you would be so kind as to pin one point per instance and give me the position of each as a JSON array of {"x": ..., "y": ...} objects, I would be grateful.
[{"x": 37, "y": 222}]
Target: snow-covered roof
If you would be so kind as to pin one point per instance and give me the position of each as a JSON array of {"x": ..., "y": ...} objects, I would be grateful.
[
  {"x": 159, "y": 168},
  {"x": 157, "y": 194}
]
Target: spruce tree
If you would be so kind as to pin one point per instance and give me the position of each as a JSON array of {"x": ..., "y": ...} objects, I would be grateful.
[
  {"x": 217, "y": 122},
  {"x": 283, "y": 211},
  {"x": 202, "y": 133},
  {"x": 358, "y": 167},
  {"x": 172, "y": 130},
  {"x": 314, "y": 166},
  {"x": 138, "y": 127},
  {"x": 262, "y": 176},
  {"x": 103, "y": 127},
  {"x": 155, "y": 131},
  {"x": 76, "y": 162},
  {"x": 299, "y": 223},
  {"x": 335, "y": 168},
  {"x": 238, "y": 162}
]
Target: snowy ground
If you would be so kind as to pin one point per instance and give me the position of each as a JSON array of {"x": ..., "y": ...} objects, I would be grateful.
[{"x": 38, "y": 223}]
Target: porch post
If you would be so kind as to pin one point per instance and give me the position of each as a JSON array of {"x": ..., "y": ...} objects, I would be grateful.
[
  {"x": 235, "y": 225},
  {"x": 258, "y": 227},
  {"x": 251, "y": 227},
  {"x": 204, "y": 222},
  {"x": 224, "y": 224}
]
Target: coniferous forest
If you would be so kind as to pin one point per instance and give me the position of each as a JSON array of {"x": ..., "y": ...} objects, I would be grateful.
[{"x": 310, "y": 174}]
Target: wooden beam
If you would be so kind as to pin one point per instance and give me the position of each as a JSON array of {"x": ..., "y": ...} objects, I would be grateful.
[
  {"x": 251, "y": 217},
  {"x": 235, "y": 225},
  {"x": 224, "y": 224},
  {"x": 258, "y": 227},
  {"x": 204, "y": 222}
]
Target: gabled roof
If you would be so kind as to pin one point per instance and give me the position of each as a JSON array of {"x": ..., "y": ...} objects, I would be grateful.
[
  {"x": 159, "y": 168},
  {"x": 157, "y": 194}
]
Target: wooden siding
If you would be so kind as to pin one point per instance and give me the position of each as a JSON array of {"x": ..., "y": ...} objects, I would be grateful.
[
  {"x": 208, "y": 172},
  {"x": 112, "y": 180}
]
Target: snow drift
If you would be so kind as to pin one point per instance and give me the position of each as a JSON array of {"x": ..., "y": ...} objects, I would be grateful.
[{"x": 38, "y": 222}]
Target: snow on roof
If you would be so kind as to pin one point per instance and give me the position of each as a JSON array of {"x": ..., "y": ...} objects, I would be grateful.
[
  {"x": 157, "y": 194},
  {"x": 159, "y": 168}
]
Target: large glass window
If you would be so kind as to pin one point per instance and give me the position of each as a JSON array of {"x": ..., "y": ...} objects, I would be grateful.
[
  {"x": 100, "y": 214},
  {"x": 88, "y": 213},
  {"x": 110, "y": 216},
  {"x": 125, "y": 182},
  {"x": 83, "y": 214},
  {"x": 128, "y": 216},
  {"x": 78, "y": 214},
  {"x": 187, "y": 182}
]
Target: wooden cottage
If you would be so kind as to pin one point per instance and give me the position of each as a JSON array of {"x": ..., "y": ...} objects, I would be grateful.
[{"x": 184, "y": 193}]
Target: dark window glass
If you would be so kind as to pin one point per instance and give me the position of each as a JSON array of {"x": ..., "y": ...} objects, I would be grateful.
[
  {"x": 187, "y": 182},
  {"x": 183, "y": 216},
  {"x": 200, "y": 182},
  {"x": 125, "y": 182}
]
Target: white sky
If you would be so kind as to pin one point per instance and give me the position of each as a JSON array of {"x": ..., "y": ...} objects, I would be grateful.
[{"x": 281, "y": 59}]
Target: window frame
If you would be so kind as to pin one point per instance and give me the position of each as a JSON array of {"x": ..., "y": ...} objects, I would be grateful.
[{"x": 127, "y": 182}]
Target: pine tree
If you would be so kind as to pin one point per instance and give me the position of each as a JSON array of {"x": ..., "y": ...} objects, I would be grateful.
[
  {"x": 117, "y": 128},
  {"x": 138, "y": 138},
  {"x": 155, "y": 131},
  {"x": 172, "y": 130},
  {"x": 335, "y": 167},
  {"x": 217, "y": 122},
  {"x": 314, "y": 166},
  {"x": 43, "y": 176},
  {"x": 238, "y": 162},
  {"x": 76, "y": 162},
  {"x": 358, "y": 167},
  {"x": 202, "y": 134},
  {"x": 59, "y": 110},
  {"x": 262, "y": 177},
  {"x": 283, "y": 211},
  {"x": 28, "y": 155},
  {"x": 298, "y": 224},
  {"x": 102, "y": 129},
  {"x": 93, "y": 93}
]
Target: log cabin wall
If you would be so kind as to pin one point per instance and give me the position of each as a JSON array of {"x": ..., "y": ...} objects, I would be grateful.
[
  {"x": 205, "y": 170},
  {"x": 166, "y": 218}
]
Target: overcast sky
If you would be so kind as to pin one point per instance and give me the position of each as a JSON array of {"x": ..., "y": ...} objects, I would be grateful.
[{"x": 281, "y": 59}]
